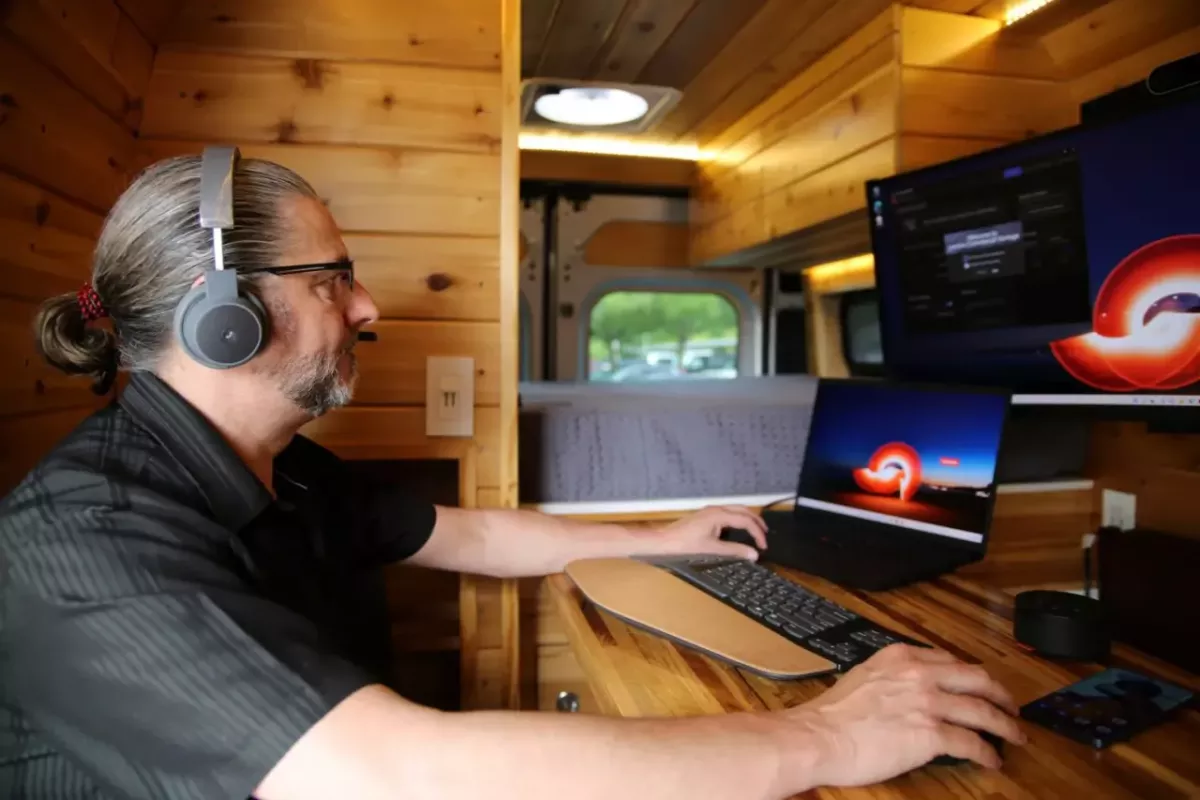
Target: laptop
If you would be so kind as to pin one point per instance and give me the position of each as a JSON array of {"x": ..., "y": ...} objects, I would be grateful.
[{"x": 898, "y": 483}]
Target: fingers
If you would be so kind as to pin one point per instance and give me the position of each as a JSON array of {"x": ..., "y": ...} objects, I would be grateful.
[
  {"x": 962, "y": 743},
  {"x": 931, "y": 655},
  {"x": 738, "y": 550},
  {"x": 742, "y": 517},
  {"x": 977, "y": 714},
  {"x": 972, "y": 680}
]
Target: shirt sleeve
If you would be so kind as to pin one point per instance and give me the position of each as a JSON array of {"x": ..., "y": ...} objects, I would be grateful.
[
  {"x": 389, "y": 524},
  {"x": 136, "y": 649},
  {"x": 392, "y": 525}
]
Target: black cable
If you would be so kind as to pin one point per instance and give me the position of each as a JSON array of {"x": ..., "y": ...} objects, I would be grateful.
[{"x": 773, "y": 503}]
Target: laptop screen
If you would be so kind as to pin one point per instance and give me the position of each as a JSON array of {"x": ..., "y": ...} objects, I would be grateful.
[{"x": 923, "y": 459}]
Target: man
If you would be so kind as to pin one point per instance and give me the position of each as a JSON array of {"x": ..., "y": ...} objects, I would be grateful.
[{"x": 191, "y": 602}]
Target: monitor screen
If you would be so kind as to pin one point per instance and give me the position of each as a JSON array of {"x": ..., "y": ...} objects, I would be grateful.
[
  {"x": 1065, "y": 268},
  {"x": 917, "y": 458}
]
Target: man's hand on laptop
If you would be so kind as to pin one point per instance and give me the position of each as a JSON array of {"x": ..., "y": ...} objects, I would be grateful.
[
  {"x": 899, "y": 710},
  {"x": 700, "y": 532}
]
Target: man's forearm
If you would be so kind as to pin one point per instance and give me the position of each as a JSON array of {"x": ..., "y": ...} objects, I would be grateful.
[
  {"x": 582, "y": 757},
  {"x": 512, "y": 543},
  {"x": 377, "y": 745}
]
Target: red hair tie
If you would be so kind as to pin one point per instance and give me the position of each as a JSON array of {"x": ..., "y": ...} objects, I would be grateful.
[{"x": 89, "y": 303}]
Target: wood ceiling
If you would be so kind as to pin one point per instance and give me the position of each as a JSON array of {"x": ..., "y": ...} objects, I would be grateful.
[{"x": 726, "y": 56}]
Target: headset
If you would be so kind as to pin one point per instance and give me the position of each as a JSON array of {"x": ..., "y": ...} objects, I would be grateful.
[{"x": 219, "y": 325}]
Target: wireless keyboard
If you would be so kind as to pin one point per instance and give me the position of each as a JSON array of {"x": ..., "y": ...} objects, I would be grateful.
[{"x": 804, "y": 617}]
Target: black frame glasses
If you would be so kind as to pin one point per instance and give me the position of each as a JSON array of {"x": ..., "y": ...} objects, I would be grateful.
[{"x": 344, "y": 264}]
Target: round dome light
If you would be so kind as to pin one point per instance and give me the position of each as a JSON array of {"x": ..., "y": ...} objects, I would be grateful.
[{"x": 591, "y": 106}]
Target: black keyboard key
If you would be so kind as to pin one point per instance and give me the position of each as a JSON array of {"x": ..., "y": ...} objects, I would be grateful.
[
  {"x": 803, "y": 626},
  {"x": 707, "y": 581},
  {"x": 796, "y": 630}
]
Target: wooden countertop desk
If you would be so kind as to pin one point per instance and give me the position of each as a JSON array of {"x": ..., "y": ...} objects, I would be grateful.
[{"x": 636, "y": 673}]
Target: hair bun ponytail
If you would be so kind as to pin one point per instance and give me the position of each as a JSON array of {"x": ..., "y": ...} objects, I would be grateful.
[{"x": 68, "y": 343}]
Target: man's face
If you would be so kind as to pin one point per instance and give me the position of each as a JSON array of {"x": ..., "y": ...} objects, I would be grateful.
[{"x": 315, "y": 316}]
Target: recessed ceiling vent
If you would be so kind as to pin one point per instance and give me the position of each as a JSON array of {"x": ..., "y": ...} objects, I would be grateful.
[{"x": 581, "y": 106}]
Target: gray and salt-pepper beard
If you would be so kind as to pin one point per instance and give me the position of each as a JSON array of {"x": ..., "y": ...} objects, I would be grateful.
[{"x": 313, "y": 382}]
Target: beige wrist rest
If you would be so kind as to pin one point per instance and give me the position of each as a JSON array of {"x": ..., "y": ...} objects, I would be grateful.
[{"x": 652, "y": 598}]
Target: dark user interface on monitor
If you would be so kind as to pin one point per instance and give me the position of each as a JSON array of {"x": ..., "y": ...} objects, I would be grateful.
[
  {"x": 1060, "y": 266},
  {"x": 918, "y": 459},
  {"x": 995, "y": 248}
]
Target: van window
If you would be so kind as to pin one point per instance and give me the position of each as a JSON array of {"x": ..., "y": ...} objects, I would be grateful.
[
  {"x": 654, "y": 336},
  {"x": 861, "y": 339}
]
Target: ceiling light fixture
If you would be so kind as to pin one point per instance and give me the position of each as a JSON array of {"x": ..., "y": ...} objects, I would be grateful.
[
  {"x": 591, "y": 106},
  {"x": 608, "y": 146},
  {"x": 1022, "y": 9}
]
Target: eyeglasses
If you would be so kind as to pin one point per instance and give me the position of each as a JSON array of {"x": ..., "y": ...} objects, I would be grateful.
[{"x": 344, "y": 264}]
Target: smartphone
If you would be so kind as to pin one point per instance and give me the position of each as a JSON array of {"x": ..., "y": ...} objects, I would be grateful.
[{"x": 1110, "y": 706}]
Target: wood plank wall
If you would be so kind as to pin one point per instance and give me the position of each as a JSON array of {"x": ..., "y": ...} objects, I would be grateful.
[
  {"x": 966, "y": 85},
  {"x": 402, "y": 115},
  {"x": 800, "y": 157},
  {"x": 73, "y": 74},
  {"x": 568, "y": 167},
  {"x": 1161, "y": 469}
]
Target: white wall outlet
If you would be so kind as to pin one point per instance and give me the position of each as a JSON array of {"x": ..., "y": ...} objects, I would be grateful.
[
  {"x": 1118, "y": 509},
  {"x": 449, "y": 396}
]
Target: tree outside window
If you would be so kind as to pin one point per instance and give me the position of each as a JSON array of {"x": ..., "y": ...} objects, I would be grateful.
[{"x": 643, "y": 336}]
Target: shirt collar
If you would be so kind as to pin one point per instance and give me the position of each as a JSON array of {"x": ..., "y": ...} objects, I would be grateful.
[{"x": 234, "y": 494}]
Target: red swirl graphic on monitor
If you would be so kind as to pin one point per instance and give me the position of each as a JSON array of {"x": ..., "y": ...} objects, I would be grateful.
[
  {"x": 1146, "y": 322},
  {"x": 894, "y": 468}
]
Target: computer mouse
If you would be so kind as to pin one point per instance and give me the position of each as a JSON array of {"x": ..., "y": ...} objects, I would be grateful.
[
  {"x": 739, "y": 535},
  {"x": 948, "y": 761}
]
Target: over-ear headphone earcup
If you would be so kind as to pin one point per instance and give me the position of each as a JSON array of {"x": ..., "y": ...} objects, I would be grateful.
[{"x": 220, "y": 334}]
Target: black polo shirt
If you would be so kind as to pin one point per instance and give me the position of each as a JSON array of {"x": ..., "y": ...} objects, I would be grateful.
[{"x": 167, "y": 628}]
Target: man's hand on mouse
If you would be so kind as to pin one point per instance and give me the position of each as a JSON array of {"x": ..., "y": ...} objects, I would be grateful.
[
  {"x": 700, "y": 532},
  {"x": 899, "y": 710}
]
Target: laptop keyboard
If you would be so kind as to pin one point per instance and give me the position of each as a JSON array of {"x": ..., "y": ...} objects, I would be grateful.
[{"x": 803, "y": 616}]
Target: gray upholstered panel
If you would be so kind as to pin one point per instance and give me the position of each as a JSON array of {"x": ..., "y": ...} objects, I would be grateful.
[{"x": 662, "y": 440}]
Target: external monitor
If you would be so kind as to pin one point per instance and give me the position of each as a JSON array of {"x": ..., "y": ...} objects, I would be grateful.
[
  {"x": 921, "y": 459},
  {"x": 1065, "y": 267}
]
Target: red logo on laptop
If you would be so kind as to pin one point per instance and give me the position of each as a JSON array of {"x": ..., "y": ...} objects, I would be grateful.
[
  {"x": 894, "y": 468},
  {"x": 1145, "y": 321}
]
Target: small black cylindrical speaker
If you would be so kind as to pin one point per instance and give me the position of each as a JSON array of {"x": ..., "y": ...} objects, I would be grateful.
[{"x": 1061, "y": 625}]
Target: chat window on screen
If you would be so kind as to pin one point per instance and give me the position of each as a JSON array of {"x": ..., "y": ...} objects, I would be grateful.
[{"x": 994, "y": 249}]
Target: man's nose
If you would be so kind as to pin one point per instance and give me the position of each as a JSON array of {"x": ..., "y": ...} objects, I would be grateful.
[{"x": 362, "y": 309}]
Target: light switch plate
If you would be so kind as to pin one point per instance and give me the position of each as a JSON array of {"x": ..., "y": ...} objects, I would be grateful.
[
  {"x": 1118, "y": 509},
  {"x": 450, "y": 396}
]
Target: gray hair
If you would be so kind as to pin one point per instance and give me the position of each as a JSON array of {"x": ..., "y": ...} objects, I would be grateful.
[{"x": 150, "y": 252}]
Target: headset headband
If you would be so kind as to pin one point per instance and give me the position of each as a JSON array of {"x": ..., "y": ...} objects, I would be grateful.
[{"x": 216, "y": 195}]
